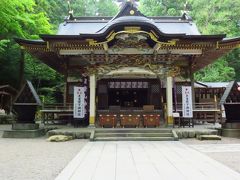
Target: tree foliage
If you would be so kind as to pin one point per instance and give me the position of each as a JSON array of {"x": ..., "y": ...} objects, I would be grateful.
[
  {"x": 211, "y": 17},
  {"x": 21, "y": 19},
  {"x": 219, "y": 17},
  {"x": 94, "y": 7},
  {"x": 220, "y": 72},
  {"x": 161, "y": 7},
  {"x": 24, "y": 20},
  {"x": 29, "y": 18}
]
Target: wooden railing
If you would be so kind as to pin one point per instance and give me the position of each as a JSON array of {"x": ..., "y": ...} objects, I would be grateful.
[
  {"x": 202, "y": 106},
  {"x": 57, "y": 112},
  {"x": 58, "y": 106},
  {"x": 209, "y": 111}
]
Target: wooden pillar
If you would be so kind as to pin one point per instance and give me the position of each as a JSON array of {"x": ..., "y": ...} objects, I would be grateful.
[
  {"x": 65, "y": 90},
  {"x": 21, "y": 68},
  {"x": 192, "y": 87},
  {"x": 92, "y": 104},
  {"x": 169, "y": 101},
  {"x": 175, "y": 94}
]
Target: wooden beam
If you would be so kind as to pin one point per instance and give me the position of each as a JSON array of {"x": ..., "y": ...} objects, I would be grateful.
[{"x": 130, "y": 51}]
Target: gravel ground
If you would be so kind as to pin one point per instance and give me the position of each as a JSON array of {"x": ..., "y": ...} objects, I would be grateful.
[
  {"x": 225, "y": 140},
  {"x": 35, "y": 159},
  {"x": 230, "y": 159}
]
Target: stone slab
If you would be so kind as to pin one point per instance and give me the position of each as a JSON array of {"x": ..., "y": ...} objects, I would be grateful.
[
  {"x": 209, "y": 137},
  {"x": 25, "y": 126},
  {"x": 235, "y": 133},
  {"x": 23, "y": 133}
]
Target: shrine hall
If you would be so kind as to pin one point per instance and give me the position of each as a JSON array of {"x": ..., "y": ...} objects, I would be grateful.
[{"x": 132, "y": 67}]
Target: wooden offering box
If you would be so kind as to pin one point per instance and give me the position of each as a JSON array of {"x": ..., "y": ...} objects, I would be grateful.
[
  {"x": 130, "y": 120},
  {"x": 108, "y": 120},
  {"x": 151, "y": 120}
]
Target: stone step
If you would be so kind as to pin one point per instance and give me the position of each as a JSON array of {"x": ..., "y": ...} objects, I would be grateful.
[
  {"x": 209, "y": 137},
  {"x": 102, "y": 134},
  {"x": 134, "y": 139},
  {"x": 132, "y": 130}
]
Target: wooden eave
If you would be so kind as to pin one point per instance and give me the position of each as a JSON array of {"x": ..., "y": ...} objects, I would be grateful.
[
  {"x": 213, "y": 47},
  {"x": 210, "y": 55},
  {"x": 129, "y": 20},
  {"x": 40, "y": 50},
  {"x": 102, "y": 36}
]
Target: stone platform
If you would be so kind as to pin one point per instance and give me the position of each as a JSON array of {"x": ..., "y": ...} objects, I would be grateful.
[
  {"x": 88, "y": 133},
  {"x": 24, "y": 130},
  {"x": 231, "y": 130}
]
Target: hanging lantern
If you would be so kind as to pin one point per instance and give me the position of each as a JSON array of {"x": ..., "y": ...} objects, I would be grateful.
[{"x": 238, "y": 88}]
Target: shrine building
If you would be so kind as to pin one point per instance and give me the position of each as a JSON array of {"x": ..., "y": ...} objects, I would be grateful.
[{"x": 132, "y": 65}]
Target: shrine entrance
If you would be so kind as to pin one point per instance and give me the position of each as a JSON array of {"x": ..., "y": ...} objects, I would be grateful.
[
  {"x": 128, "y": 98},
  {"x": 133, "y": 102},
  {"x": 129, "y": 93}
]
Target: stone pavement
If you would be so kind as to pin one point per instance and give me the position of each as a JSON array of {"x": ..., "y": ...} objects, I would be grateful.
[{"x": 144, "y": 161}]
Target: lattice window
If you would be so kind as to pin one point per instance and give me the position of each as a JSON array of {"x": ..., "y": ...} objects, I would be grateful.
[
  {"x": 102, "y": 89},
  {"x": 155, "y": 88},
  {"x": 179, "y": 89}
]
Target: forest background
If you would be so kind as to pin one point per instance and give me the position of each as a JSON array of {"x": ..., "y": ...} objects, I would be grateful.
[{"x": 29, "y": 18}]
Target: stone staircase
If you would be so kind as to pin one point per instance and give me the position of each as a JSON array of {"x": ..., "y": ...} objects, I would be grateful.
[{"x": 134, "y": 134}]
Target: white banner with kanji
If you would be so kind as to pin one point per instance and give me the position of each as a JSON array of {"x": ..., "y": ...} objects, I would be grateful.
[
  {"x": 187, "y": 102},
  {"x": 79, "y": 102}
]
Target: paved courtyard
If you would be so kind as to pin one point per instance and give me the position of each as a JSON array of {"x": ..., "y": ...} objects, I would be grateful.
[{"x": 144, "y": 161}]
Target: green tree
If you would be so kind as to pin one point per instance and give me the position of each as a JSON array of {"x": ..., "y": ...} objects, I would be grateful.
[
  {"x": 216, "y": 72},
  {"x": 162, "y": 7},
  {"x": 216, "y": 16},
  {"x": 219, "y": 17},
  {"x": 18, "y": 19},
  {"x": 94, "y": 7},
  {"x": 55, "y": 10},
  {"x": 211, "y": 17}
]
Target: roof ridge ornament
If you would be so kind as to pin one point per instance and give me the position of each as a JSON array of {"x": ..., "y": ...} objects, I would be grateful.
[
  {"x": 70, "y": 11},
  {"x": 129, "y": 8},
  {"x": 185, "y": 11}
]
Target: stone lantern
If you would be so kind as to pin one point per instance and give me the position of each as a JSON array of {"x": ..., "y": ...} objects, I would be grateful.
[{"x": 25, "y": 107}]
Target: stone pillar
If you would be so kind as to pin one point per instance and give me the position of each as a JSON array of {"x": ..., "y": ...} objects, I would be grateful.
[
  {"x": 169, "y": 101},
  {"x": 92, "y": 105}
]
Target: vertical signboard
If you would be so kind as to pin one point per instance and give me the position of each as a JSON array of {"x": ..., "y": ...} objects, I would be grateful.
[
  {"x": 79, "y": 102},
  {"x": 187, "y": 102}
]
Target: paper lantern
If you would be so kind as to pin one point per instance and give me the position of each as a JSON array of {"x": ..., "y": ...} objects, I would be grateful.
[{"x": 238, "y": 88}]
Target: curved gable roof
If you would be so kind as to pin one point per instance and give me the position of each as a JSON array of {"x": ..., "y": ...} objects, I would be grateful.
[{"x": 128, "y": 15}]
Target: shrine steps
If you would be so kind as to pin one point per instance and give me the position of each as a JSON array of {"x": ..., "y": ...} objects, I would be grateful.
[
  {"x": 134, "y": 139},
  {"x": 134, "y": 135}
]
